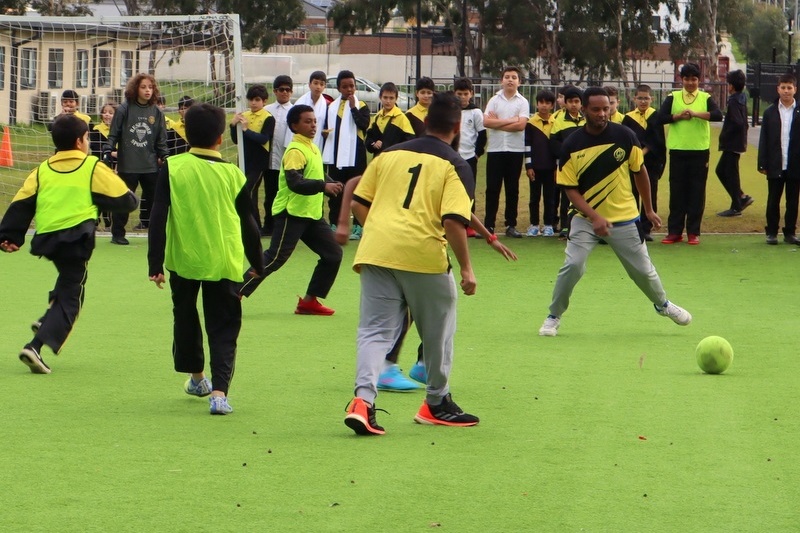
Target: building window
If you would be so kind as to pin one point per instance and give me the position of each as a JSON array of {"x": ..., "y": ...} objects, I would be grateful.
[
  {"x": 656, "y": 24},
  {"x": 126, "y": 70},
  {"x": 2, "y": 67},
  {"x": 55, "y": 68},
  {"x": 82, "y": 69},
  {"x": 104, "y": 68},
  {"x": 28, "y": 68}
]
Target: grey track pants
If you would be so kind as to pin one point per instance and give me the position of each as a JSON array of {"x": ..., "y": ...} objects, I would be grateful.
[
  {"x": 631, "y": 251},
  {"x": 386, "y": 295}
]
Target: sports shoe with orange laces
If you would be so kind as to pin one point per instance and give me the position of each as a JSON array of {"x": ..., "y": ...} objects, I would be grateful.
[
  {"x": 446, "y": 413},
  {"x": 361, "y": 418},
  {"x": 312, "y": 307}
]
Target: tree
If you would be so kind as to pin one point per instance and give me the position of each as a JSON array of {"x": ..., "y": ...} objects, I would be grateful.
[
  {"x": 765, "y": 31},
  {"x": 13, "y": 7},
  {"x": 350, "y": 16},
  {"x": 705, "y": 19},
  {"x": 62, "y": 8},
  {"x": 592, "y": 38}
]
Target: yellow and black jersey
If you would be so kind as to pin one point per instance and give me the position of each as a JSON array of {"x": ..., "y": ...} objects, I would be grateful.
[
  {"x": 649, "y": 131},
  {"x": 617, "y": 117},
  {"x": 411, "y": 189},
  {"x": 537, "y": 143},
  {"x": 257, "y": 138},
  {"x": 599, "y": 167},
  {"x": 417, "y": 115},
  {"x": 563, "y": 125},
  {"x": 390, "y": 128}
]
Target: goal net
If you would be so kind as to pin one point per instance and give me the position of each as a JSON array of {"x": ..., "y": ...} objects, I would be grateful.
[{"x": 198, "y": 56}]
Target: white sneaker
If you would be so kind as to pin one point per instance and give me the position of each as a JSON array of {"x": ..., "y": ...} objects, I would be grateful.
[
  {"x": 548, "y": 231},
  {"x": 677, "y": 314},
  {"x": 533, "y": 231},
  {"x": 550, "y": 327}
]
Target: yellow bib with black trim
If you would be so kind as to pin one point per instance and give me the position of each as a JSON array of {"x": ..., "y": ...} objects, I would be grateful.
[
  {"x": 300, "y": 205},
  {"x": 693, "y": 134},
  {"x": 64, "y": 199}
]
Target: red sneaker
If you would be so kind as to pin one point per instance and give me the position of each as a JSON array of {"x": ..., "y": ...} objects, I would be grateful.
[
  {"x": 471, "y": 233},
  {"x": 361, "y": 418},
  {"x": 312, "y": 307},
  {"x": 672, "y": 239},
  {"x": 693, "y": 240}
]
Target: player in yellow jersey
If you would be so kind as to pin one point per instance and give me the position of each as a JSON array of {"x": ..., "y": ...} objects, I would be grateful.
[{"x": 414, "y": 200}]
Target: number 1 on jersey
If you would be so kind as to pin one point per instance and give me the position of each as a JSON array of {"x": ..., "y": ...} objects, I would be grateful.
[{"x": 414, "y": 171}]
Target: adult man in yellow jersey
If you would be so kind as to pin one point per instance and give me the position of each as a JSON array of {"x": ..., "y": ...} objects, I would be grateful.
[
  {"x": 688, "y": 112},
  {"x": 414, "y": 200},
  {"x": 594, "y": 171}
]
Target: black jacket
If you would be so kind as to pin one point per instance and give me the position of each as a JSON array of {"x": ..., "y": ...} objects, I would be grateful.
[
  {"x": 769, "y": 144},
  {"x": 733, "y": 136}
]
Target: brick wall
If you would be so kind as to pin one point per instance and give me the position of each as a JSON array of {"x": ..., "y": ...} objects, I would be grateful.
[{"x": 398, "y": 45}]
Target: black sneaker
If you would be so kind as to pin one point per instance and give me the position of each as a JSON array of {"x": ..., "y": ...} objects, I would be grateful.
[
  {"x": 120, "y": 240},
  {"x": 511, "y": 231},
  {"x": 446, "y": 413},
  {"x": 790, "y": 239},
  {"x": 730, "y": 213},
  {"x": 772, "y": 239},
  {"x": 747, "y": 201},
  {"x": 31, "y": 358}
]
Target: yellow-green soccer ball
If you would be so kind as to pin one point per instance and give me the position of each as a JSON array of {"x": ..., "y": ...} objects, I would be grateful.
[{"x": 714, "y": 355}]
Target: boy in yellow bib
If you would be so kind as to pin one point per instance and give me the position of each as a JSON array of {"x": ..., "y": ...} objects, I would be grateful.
[{"x": 64, "y": 194}]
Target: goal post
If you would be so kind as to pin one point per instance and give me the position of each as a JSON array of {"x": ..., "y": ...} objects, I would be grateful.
[{"x": 199, "y": 56}]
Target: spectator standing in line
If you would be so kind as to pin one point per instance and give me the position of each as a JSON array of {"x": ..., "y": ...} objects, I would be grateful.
[
  {"x": 506, "y": 115},
  {"x": 424, "y": 91},
  {"x": 540, "y": 165},
  {"x": 732, "y": 144},
  {"x": 138, "y": 134},
  {"x": 644, "y": 123},
  {"x": 281, "y": 137},
  {"x": 688, "y": 113},
  {"x": 345, "y": 128},
  {"x": 779, "y": 160},
  {"x": 257, "y": 127}
]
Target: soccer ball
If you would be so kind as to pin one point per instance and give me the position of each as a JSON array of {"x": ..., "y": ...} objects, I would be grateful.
[{"x": 714, "y": 355}]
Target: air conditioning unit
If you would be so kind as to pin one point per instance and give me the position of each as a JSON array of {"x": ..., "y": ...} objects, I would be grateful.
[
  {"x": 44, "y": 106},
  {"x": 52, "y": 109},
  {"x": 93, "y": 104},
  {"x": 83, "y": 104},
  {"x": 117, "y": 95}
]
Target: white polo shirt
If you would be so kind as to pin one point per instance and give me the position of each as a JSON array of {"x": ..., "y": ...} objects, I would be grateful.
[
  {"x": 516, "y": 106},
  {"x": 282, "y": 135}
]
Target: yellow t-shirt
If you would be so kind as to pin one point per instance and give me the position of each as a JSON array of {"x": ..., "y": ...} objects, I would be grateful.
[{"x": 410, "y": 190}]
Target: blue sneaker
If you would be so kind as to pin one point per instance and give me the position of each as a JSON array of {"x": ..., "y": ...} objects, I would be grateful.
[
  {"x": 418, "y": 373},
  {"x": 203, "y": 388},
  {"x": 393, "y": 380},
  {"x": 218, "y": 405},
  {"x": 355, "y": 234}
]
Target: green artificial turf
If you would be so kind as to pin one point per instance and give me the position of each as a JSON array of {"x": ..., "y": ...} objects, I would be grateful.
[{"x": 608, "y": 427}]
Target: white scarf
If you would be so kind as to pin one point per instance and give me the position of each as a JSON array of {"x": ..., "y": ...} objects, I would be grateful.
[
  {"x": 347, "y": 135},
  {"x": 320, "y": 108}
]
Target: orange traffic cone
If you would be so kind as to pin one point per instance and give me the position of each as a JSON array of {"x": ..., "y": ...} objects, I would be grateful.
[{"x": 6, "y": 156}]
